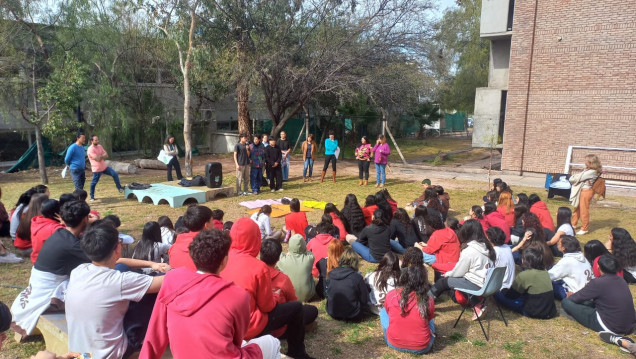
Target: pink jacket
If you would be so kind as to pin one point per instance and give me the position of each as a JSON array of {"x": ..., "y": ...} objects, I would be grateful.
[{"x": 381, "y": 153}]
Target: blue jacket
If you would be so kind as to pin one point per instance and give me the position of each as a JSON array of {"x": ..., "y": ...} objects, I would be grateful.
[
  {"x": 330, "y": 146},
  {"x": 75, "y": 157}
]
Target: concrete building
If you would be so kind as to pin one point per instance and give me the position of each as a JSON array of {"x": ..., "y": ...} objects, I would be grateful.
[{"x": 561, "y": 74}]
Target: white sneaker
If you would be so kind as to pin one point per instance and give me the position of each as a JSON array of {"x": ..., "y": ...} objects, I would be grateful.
[
  {"x": 10, "y": 258},
  {"x": 582, "y": 232},
  {"x": 92, "y": 200},
  {"x": 280, "y": 190},
  {"x": 273, "y": 190}
]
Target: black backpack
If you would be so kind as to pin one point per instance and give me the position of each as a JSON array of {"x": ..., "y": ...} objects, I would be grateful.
[{"x": 196, "y": 181}]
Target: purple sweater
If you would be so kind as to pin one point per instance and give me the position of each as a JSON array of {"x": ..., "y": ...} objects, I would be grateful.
[{"x": 381, "y": 153}]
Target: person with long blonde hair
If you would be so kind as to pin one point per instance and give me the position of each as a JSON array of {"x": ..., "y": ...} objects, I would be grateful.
[
  {"x": 506, "y": 207},
  {"x": 325, "y": 265},
  {"x": 582, "y": 192}
]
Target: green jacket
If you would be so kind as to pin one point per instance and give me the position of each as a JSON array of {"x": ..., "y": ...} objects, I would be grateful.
[{"x": 297, "y": 264}]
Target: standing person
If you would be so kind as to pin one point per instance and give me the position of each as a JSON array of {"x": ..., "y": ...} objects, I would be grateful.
[
  {"x": 76, "y": 161},
  {"x": 308, "y": 148},
  {"x": 97, "y": 156},
  {"x": 380, "y": 152},
  {"x": 363, "y": 155},
  {"x": 170, "y": 149},
  {"x": 257, "y": 160},
  {"x": 265, "y": 142},
  {"x": 242, "y": 162},
  {"x": 582, "y": 192},
  {"x": 331, "y": 144},
  {"x": 283, "y": 144},
  {"x": 273, "y": 158}
]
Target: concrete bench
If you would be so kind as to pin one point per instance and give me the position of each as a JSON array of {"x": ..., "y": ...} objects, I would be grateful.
[{"x": 165, "y": 194}]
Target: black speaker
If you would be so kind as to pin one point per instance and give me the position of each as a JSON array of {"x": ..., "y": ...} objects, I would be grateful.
[{"x": 213, "y": 175}]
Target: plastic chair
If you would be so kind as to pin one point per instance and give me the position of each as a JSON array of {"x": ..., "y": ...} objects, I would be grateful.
[{"x": 493, "y": 282}]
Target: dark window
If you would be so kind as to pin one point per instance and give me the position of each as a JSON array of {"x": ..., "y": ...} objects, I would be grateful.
[{"x": 511, "y": 13}]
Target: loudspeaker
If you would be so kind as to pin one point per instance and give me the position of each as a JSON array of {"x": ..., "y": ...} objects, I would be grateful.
[{"x": 213, "y": 175}]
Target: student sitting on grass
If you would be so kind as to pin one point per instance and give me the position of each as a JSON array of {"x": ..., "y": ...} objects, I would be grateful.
[
  {"x": 167, "y": 230},
  {"x": 338, "y": 220},
  {"x": 354, "y": 217},
  {"x": 296, "y": 221},
  {"x": 504, "y": 255},
  {"x": 282, "y": 286},
  {"x": 369, "y": 207},
  {"x": 22, "y": 240},
  {"x": 150, "y": 247},
  {"x": 373, "y": 242},
  {"x": 572, "y": 272},
  {"x": 326, "y": 265},
  {"x": 605, "y": 303},
  {"x": 403, "y": 229},
  {"x": 623, "y": 247},
  {"x": 217, "y": 216},
  {"x": 564, "y": 228},
  {"x": 593, "y": 250},
  {"x": 496, "y": 219},
  {"x": 533, "y": 239},
  {"x": 531, "y": 293},
  {"x": 298, "y": 264},
  {"x": 348, "y": 294},
  {"x": 262, "y": 218},
  {"x": 44, "y": 225},
  {"x": 382, "y": 280},
  {"x": 318, "y": 245},
  {"x": 412, "y": 257},
  {"x": 442, "y": 249},
  {"x": 195, "y": 219},
  {"x": 187, "y": 300},
  {"x": 98, "y": 298},
  {"x": 407, "y": 316}
]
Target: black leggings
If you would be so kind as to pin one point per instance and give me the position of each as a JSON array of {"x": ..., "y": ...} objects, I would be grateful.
[
  {"x": 332, "y": 159},
  {"x": 174, "y": 162},
  {"x": 363, "y": 169},
  {"x": 290, "y": 314}
]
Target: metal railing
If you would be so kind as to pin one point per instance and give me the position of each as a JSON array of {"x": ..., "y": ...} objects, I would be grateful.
[{"x": 609, "y": 183}]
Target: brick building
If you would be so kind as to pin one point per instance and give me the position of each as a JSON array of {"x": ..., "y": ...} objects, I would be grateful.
[{"x": 562, "y": 73}]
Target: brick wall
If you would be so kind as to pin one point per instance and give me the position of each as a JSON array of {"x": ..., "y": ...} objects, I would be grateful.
[{"x": 582, "y": 88}]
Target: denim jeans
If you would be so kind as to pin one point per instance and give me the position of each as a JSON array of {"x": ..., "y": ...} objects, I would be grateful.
[
  {"x": 559, "y": 290},
  {"x": 364, "y": 252},
  {"x": 309, "y": 165},
  {"x": 96, "y": 176},
  {"x": 256, "y": 175},
  {"x": 515, "y": 305},
  {"x": 396, "y": 246},
  {"x": 429, "y": 258},
  {"x": 285, "y": 167},
  {"x": 380, "y": 173},
  {"x": 384, "y": 321},
  {"x": 79, "y": 177}
]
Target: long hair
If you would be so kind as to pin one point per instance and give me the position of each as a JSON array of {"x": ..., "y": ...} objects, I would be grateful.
[
  {"x": 432, "y": 199},
  {"x": 168, "y": 139},
  {"x": 623, "y": 248},
  {"x": 383, "y": 204},
  {"x": 164, "y": 221},
  {"x": 266, "y": 210},
  {"x": 353, "y": 214},
  {"x": 334, "y": 252},
  {"x": 401, "y": 216},
  {"x": 473, "y": 231},
  {"x": 505, "y": 202},
  {"x": 594, "y": 249},
  {"x": 35, "y": 209},
  {"x": 522, "y": 198},
  {"x": 414, "y": 280},
  {"x": 377, "y": 218},
  {"x": 412, "y": 257},
  {"x": 564, "y": 216},
  {"x": 477, "y": 211},
  {"x": 520, "y": 210},
  {"x": 388, "y": 268},
  {"x": 530, "y": 220},
  {"x": 535, "y": 241},
  {"x": 594, "y": 163},
  {"x": 145, "y": 248}
]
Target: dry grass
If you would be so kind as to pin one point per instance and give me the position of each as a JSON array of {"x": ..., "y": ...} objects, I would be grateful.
[{"x": 523, "y": 338}]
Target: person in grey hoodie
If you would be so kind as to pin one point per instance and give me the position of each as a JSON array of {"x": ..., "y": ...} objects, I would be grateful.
[
  {"x": 572, "y": 272},
  {"x": 297, "y": 263}
]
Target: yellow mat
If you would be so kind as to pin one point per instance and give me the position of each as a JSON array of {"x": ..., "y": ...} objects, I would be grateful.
[{"x": 280, "y": 210}]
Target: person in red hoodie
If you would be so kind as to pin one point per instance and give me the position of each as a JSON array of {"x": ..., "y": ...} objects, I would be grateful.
[
  {"x": 244, "y": 269},
  {"x": 538, "y": 207},
  {"x": 368, "y": 209},
  {"x": 43, "y": 226},
  {"x": 195, "y": 219},
  {"x": 318, "y": 245},
  {"x": 296, "y": 221},
  {"x": 496, "y": 219},
  {"x": 187, "y": 300},
  {"x": 442, "y": 249},
  {"x": 217, "y": 217},
  {"x": 336, "y": 218}
]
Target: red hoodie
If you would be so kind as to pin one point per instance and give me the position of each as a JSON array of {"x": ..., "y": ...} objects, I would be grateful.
[
  {"x": 510, "y": 216},
  {"x": 217, "y": 224},
  {"x": 368, "y": 213},
  {"x": 297, "y": 222},
  {"x": 318, "y": 246},
  {"x": 250, "y": 273},
  {"x": 41, "y": 230},
  {"x": 283, "y": 292},
  {"x": 496, "y": 219},
  {"x": 341, "y": 227},
  {"x": 179, "y": 253},
  {"x": 541, "y": 210},
  {"x": 445, "y": 245},
  {"x": 182, "y": 317}
]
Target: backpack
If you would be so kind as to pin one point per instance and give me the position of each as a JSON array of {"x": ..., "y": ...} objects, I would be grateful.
[
  {"x": 196, "y": 181},
  {"x": 599, "y": 187}
]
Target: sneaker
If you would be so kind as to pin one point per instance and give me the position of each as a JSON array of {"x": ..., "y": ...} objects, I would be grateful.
[
  {"x": 254, "y": 193},
  {"x": 121, "y": 190},
  {"x": 273, "y": 190},
  {"x": 248, "y": 193},
  {"x": 9, "y": 257},
  {"x": 612, "y": 338},
  {"x": 92, "y": 200},
  {"x": 280, "y": 190},
  {"x": 582, "y": 232},
  {"x": 479, "y": 310}
]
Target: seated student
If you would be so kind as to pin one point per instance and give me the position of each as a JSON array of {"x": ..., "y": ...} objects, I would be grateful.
[
  {"x": 326, "y": 265},
  {"x": 419, "y": 201},
  {"x": 442, "y": 249},
  {"x": 531, "y": 292},
  {"x": 167, "y": 230},
  {"x": 540, "y": 209},
  {"x": 387, "y": 196},
  {"x": 253, "y": 275},
  {"x": 298, "y": 264},
  {"x": 22, "y": 240},
  {"x": 348, "y": 294},
  {"x": 444, "y": 198},
  {"x": 195, "y": 219},
  {"x": 208, "y": 296},
  {"x": 412, "y": 257},
  {"x": 623, "y": 247},
  {"x": 403, "y": 229},
  {"x": 354, "y": 217},
  {"x": 433, "y": 203},
  {"x": 382, "y": 280},
  {"x": 318, "y": 245},
  {"x": 593, "y": 250},
  {"x": 296, "y": 221},
  {"x": 407, "y": 316},
  {"x": 385, "y": 206},
  {"x": 506, "y": 206},
  {"x": 517, "y": 231},
  {"x": 368, "y": 209},
  {"x": 150, "y": 247},
  {"x": 262, "y": 219},
  {"x": 81, "y": 195},
  {"x": 217, "y": 216},
  {"x": 564, "y": 228},
  {"x": 43, "y": 226},
  {"x": 497, "y": 238},
  {"x": 613, "y": 307},
  {"x": 422, "y": 231},
  {"x": 98, "y": 297},
  {"x": 338, "y": 220},
  {"x": 126, "y": 239},
  {"x": 572, "y": 272},
  {"x": 282, "y": 286},
  {"x": 374, "y": 241},
  {"x": 534, "y": 237},
  {"x": 227, "y": 226},
  {"x": 496, "y": 219},
  {"x": 476, "y": 212},
  {"x": 472, "y": 267}
]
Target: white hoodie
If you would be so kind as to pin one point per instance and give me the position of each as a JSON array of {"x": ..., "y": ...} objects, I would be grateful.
[
  {"x": 574, "y": 270},
  {"x": 473, "y": 264}
]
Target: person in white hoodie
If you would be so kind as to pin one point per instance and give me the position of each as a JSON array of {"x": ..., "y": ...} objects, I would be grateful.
[
  {"x": 572, "y": 272},
  {"x": 474, "y": 261}
]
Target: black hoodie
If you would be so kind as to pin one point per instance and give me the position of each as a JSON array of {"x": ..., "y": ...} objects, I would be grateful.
[
  {"x": 377, "y": 239},
  {"x": 348, "y": 294}
]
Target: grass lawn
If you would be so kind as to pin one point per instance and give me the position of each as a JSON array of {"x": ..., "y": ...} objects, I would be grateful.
[{"x": 523, "y": 338}]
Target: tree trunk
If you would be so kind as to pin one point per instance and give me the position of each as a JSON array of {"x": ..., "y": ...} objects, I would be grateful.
[
  {"x": 243, "y": 97},
  {"x": 41, "y": 160},
  {"x": 187, "y": 124}
]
